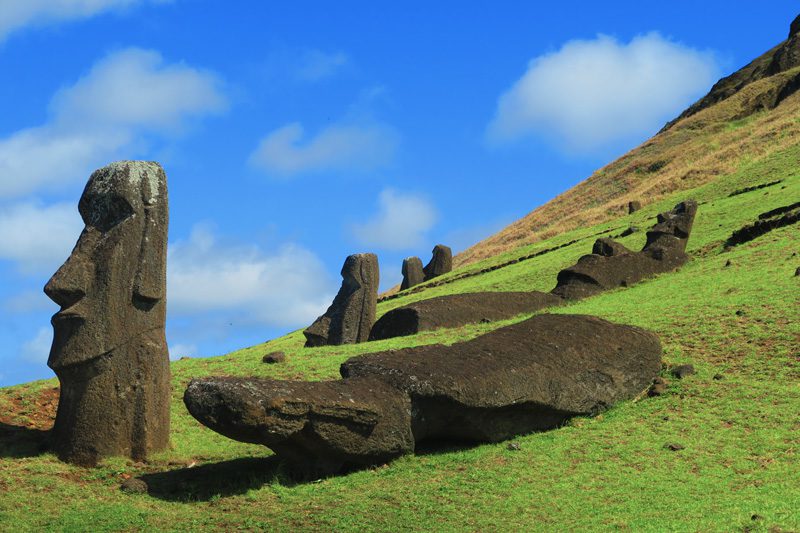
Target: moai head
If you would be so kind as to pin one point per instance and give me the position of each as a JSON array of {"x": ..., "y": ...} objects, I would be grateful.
[{"x": 112, "y": 287}]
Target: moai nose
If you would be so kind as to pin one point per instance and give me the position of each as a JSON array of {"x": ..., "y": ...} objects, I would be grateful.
[{"x": 67, "y": 286}]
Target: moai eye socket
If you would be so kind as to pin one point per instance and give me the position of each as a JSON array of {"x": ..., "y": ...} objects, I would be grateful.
[{"x": 104, "y": 211}]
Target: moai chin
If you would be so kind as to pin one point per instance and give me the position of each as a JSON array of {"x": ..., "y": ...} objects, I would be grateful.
[{"x": 109, "y": 348}]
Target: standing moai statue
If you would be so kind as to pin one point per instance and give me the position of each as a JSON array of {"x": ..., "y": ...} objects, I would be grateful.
[
  {"x": 441, "y": 262},
  {"x": 350, "y": 317},
  {"x": 413, "y": 274},
  {"x": 109, "y": 347}
]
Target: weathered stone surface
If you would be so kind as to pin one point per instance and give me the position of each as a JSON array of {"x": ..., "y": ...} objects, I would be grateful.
[
  {"x": 634, "y": 206},
  {"x": 274, "y": 357},
  {"x": 794, "y": 28},
  {"x": 134, "y": 486},
  {"x": 682, "y": 371},
  {"x": 350, "y": 317},
  {"x": 413, "y": 273},
  {"x": 322, "y": 427},
  {"x": 528, "y": 376},
  {"x": 441, "y": 262},
  {"x": 109, "y": 349},
  {"x": 458, "y": 309},
  {"x": 611, "y": 265}
]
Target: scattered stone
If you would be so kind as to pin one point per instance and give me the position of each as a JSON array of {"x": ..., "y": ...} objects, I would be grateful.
[
  {"x": 109, "y": 348},
  {"x": 134, "y": 485},
  {"x": 441, "y": 262},
  {"x": 682, "y": 371},
  {"x": 767, "y": 221},
  {"x": 728, "y": 263},
  {"x": 718, "y": 377},
  {"x": 274, "y": 357},
  {"x": 629, "y": 231},
  {"x": 413, "y": 273},
  {"x": 457, "y": 310},
  {"x": 739, "y": 312},
  {"x": 513, "y": 447},
  {"x": 184, "y": 358},
  {"x": 350, "y": 317},
  {"x": 611, "y": 265},
  {"x": 634, "y": 206},
  {"x": 797, "y": 271},
  {"x": 756, "y": 517},
  {"x": 674, "y": 446},
  {"x": 658, "y": 387},
  {"x": 532, "y": 375}
]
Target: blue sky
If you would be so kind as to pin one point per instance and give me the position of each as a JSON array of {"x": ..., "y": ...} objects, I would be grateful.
[{"x": 295, "y": 134}]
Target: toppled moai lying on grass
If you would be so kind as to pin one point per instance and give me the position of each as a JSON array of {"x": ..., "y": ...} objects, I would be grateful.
[{"x": 525, "y": 377}]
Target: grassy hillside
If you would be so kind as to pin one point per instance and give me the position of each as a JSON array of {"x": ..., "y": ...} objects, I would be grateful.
[{"x": 737, "y": 418}]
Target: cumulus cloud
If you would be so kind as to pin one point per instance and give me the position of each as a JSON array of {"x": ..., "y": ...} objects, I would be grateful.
[
  {"x": 316, "y": 65},
  {"x": 288, "y": 288},
  {"x": 124, "y": 98},
  {"x": 38, "y": 238},
  {"x": 401, "y": 222},
  {"x": 17, "y": 14},
  {"x": 355, "y": 147},
  {"x": 592, "y": 93},
  {"x": 37, "y": 350}
]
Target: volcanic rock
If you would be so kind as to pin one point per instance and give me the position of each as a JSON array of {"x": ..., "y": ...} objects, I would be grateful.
[
  {"x": 634, "y": 206},
  {"x": 134, "y": 486},
  {"x": 413, "y": 273},
  {"x": 274, "y": 357},
  {"x": 611, "y": 265},
  {"x": 441, "y": 262},
  {"x": 528, "y": 376},
  {"x": 109, "y": 349},
  {"x": 682, "y": 371},
  {"x": 457, "y": 310},
  {"x": 349, "y": 318}
]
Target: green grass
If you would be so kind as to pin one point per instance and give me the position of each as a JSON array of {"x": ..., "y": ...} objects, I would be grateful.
[{"x": 738, "y": 472}]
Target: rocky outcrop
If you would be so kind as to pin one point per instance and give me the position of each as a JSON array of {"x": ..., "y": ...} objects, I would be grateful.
[
  {"x": 457, "y": 310},
  {"x": 525, "y": 377},
  {"x": 109, "y": 348},
  {"x": 350, "y": 317},
  {"x": 611, "y": 265},
  {"x": 413, "y": 273},
  {"x": 441, "y": 262}
]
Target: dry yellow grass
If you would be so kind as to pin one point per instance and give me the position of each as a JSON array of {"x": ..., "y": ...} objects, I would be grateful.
[{"x": 694, "y": 151}]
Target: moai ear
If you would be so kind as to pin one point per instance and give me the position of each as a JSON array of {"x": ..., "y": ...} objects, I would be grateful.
[{"x": 149, "y": 283}]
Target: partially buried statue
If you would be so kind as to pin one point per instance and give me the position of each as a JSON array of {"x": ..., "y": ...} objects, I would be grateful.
[{"x": 109, "y": 348}]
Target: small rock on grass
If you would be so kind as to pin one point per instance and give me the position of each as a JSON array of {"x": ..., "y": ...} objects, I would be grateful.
[
  {"x": 674, "y": 446},
  {"x": 797, "y": 272},
  {"x": 134, "y": 485},
  {"x": 658, "y": 387},
  {"x": 682, "y": 371},
  {"x": 514, "y": 446},
  {"x": 718, "y": 377},
  {"x": 274, "y": 357}
]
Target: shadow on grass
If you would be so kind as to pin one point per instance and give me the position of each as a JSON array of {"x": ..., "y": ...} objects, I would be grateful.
[
  {"x": 227, "y": 478},
  {"x": 20, "y": 441}
]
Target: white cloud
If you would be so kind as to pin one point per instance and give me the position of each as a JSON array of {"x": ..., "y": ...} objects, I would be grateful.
[
  {"x": 591, "y": 93},
  {"x": 355, "y": 147},
  {"x": 110, "y": 111},
  {"x": 316, "y": 65},
  {"x": 401, "y": 222},
  {"x": 37, "y": 350},
  {"x": 38, "y": 238},
  {"x": 176, "y": 351},
  {"x": 16, "y": 14},
  {"x": 287, "y": 288}
]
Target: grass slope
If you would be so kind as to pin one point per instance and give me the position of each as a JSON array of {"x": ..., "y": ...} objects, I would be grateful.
[{"x": 738, "y": 470}]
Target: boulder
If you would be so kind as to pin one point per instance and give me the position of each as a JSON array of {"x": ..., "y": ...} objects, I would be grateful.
[
  {"x": 413, "y": 273},
  {"x": 273, "y": 358},
  {"x": 350, "y": 317},
  {"x": 611, "y": 265},
  {"x": 441, "y": 262},
  {"x": 634, "y": 206},
  {"x": 109, "y": 348},
  {"x": 525, "y": 377},
  {"x": 457, "y": 310}
]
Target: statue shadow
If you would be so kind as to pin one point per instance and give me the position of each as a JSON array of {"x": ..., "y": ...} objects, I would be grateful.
[
  {"x": 20, "y": 441},
  {"x": 226, "y": 478}
]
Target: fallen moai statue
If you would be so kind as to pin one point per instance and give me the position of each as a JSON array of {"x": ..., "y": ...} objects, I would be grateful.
[
  {"x": 109, "y": 349},
  {"x": 413, "y": 273},
  {"x": 611, "y": 265},
  {"x": 441, "y": 262},
  {"x": 458, "y": 309},
  {"x": 525, "y": 377},
  {"x": 350, "y": 317}
]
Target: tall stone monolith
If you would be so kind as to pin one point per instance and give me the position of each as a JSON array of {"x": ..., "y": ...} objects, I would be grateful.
[
  {"x": 441, "y": 262},
  {"x": 109, "y": 348},
  {"x": 413, "y": 274}
]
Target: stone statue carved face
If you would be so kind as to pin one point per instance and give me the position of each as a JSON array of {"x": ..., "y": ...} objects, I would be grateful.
[{"x": 111, "y": 289}]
